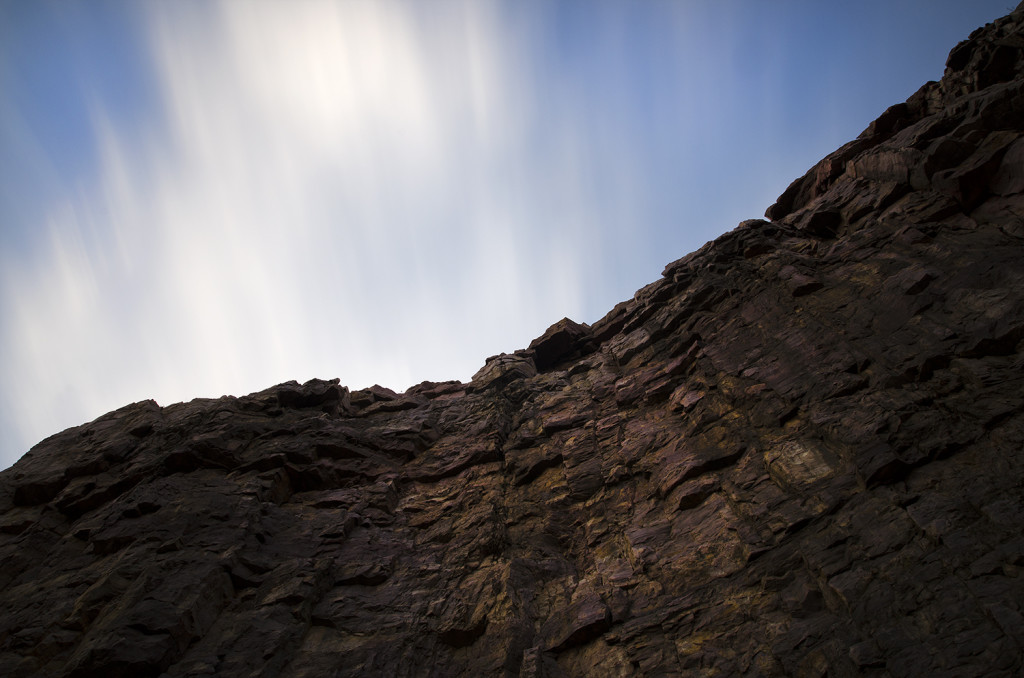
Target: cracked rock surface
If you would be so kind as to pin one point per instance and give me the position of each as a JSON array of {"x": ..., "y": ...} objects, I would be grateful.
[{"x": 798, "y": 453}]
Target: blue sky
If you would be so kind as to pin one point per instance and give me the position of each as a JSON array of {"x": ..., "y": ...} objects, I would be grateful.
[{"x": 208, "y": 198}]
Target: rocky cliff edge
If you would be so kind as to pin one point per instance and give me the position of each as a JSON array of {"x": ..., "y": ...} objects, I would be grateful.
[{"x": 798, "y": 453}]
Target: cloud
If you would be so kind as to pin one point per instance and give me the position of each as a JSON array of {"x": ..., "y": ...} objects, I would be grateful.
[
  {"x": 385, "y": 191},
  {"x": 331, "y": 189}
]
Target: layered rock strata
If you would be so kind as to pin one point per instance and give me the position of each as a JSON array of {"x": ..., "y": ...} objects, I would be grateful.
[{"x": 798, "y": 453}]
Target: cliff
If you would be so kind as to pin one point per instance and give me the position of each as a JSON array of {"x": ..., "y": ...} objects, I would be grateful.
[{"x": 798, "y": 453}]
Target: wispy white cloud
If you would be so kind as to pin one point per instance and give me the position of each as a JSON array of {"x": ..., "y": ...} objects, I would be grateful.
[
  {"x": 334, "y": 189},
  {"x": 391, "y": 191}
]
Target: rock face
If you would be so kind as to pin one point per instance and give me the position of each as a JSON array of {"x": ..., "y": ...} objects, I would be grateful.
[{"x": 798, "y": 453}]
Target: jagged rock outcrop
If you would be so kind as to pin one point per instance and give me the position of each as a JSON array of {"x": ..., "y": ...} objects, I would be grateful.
[{"x": 798, "y": 453}]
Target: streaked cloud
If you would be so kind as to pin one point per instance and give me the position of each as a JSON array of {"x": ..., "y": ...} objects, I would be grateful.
[
  {"x": 384, "y": 192},
  {"x": 335, "y": 189}
]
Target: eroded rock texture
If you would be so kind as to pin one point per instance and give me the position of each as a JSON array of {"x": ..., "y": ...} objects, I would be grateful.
[{"x": 798, "y": 453}]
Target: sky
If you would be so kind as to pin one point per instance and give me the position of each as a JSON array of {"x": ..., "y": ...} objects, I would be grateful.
[{"x": 200, "y": 198}]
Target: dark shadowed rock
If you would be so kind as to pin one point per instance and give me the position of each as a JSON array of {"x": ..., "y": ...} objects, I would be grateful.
[
  {"x": 798, "y": 453},
  {"x": 562, "y": 341}
]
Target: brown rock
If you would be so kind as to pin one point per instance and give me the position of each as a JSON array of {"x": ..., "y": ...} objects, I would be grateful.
[
  {"x": 560, "y": 342},
  {"x": 799, "y": 452}
]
